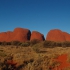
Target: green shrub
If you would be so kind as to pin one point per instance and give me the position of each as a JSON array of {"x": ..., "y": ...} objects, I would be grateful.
[
  {"x": 8, "y": 43},
  {"x": 2, "y": 54},
  {"x": 66, "y": 44},
  {"x": 37, "y": 47},
  {"x": 25, "y": 44},
  {"x": 16, "y": 43},
  {"x": 49, "y": 44},
  {"x": 4, "y": 43},
  {"x": 59, "y": 44},
  {"x": 0, "y": 43},
  {"x": 34, "y": 41}
]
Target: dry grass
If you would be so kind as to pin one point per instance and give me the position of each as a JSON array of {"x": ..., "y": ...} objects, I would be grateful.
[{"x": 30, "y": 59}]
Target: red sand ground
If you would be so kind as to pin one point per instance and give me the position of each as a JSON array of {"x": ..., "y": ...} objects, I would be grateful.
[
  {"x": 62, "y": 59},
  {"x": 11, "y": 62}
]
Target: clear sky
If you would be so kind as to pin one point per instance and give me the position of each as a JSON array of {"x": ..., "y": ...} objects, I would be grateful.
[{"x": 38, "y": 15}]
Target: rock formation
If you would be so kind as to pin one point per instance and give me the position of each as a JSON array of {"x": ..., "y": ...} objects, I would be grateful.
[
  {"x": 37, "y": 35},
  {"x": 57, "y": 35},
  {"x": 23, "y": 35},
  {"x": 67, "y": 36},
  {"x": 19, "y": 34}
]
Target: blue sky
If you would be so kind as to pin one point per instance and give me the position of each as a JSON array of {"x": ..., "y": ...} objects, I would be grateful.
[{"x": 38, "y": 15}]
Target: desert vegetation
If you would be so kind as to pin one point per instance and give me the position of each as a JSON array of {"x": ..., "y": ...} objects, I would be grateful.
[
  {"x": 32, "y": 55},
  {"x": 34, "y": 42}
]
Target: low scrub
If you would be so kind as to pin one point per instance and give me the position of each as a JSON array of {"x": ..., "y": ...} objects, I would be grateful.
[
  {"x": 33, "y": 42},
  {"x": 49, "y": 44},
  {"x": 25, "y": 44}
]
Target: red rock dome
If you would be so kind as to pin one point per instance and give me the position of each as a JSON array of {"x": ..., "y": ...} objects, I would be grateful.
[
  {"x": 67, "y": 36},
  {"x": 5, "y": 36},
  {"x": 19, "y": 34},
  {"x": 55, "y": 35},
  {"x": 37, "y": 35}
]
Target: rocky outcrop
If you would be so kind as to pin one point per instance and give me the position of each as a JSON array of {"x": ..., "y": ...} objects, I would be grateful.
[
  {"x": 37, "y": 35},
  {"x": 67, "y": 36},
  {"x": 23, "y": 35},
  {"x": 19, "y": 34},
  {"x": 57, "y": 35}
]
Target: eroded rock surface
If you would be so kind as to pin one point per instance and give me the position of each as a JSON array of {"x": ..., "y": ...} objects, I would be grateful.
[
  {"x": 37, "y": 35},
  {"x": 57, "y": 35},
  {"x": 19, "y": 34}
]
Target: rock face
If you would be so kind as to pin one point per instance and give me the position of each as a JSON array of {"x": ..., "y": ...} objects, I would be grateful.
[
  {"x": 57, "y": 35},
  {"x": 37, "y": 35},
  {"x": 67, "y": 36},
  {"x": 23, "y": 35},
  {"x": 19, "y": 34}
]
